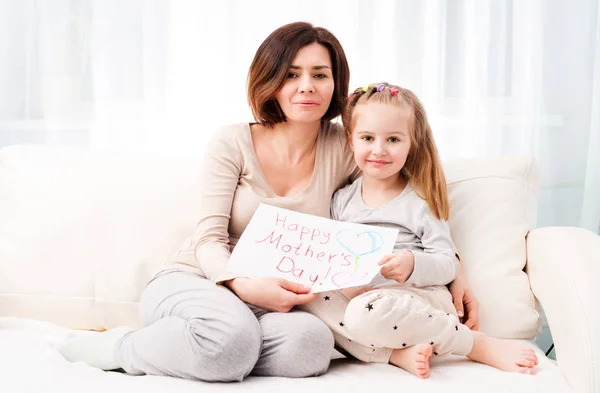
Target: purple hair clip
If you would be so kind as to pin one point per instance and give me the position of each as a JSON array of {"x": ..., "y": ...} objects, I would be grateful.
[{"x": 380, "y": 87}]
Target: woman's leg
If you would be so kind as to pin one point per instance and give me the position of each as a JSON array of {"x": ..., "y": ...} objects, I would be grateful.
[
  {"x": 295, "y": 344},
  {"x": 192, "y": 329}
]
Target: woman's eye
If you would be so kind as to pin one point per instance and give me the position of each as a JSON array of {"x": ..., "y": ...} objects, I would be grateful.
[
  {"x": 292, "y": 75},
  {"x": 320, "y": 76}
]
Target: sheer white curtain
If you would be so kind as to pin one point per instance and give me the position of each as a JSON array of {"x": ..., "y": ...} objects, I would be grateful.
[{"x": 498, "y": 77}]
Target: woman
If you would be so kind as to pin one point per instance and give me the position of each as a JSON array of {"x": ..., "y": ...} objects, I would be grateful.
[{"x": 201, "y": 322}]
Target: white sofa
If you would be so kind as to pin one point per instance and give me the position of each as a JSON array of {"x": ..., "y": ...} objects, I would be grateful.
[{"x": 81, "y": 232}]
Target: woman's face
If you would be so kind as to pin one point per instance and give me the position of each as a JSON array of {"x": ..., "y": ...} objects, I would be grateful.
[{"x": 307, "y": 91}]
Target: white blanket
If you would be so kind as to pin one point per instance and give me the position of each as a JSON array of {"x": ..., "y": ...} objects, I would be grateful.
[{"x": 30, "y": 363}]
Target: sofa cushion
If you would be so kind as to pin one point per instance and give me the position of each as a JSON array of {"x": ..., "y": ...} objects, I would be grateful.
[
  {"x": 24, "y": 344},
  {"x": 82, "y": 232}
]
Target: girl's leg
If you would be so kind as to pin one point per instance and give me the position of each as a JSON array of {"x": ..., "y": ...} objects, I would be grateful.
[
  {"x": 330, "y": 307},
  {"x": 400, "y": 317},
  {"x": 193, "y": 329},
  {"x": 295, "y": 344},
  {"x": 506, "y": 355},
  {"x": 403, "y": 318}
]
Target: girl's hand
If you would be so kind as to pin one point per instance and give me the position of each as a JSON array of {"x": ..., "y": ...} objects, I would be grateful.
[
  {"x": 465, "y": 302},
  {"x": 270, "y": 293},
  {"x": 398, "y": 266}
]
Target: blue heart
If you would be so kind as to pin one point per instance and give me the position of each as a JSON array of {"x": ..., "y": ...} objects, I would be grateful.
[{"x": 350, "y": 240}]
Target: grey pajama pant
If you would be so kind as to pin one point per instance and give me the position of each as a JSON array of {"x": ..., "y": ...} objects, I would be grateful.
[
  {"x": 371, "y": 325},
  {"x": 195, "y": 329}
]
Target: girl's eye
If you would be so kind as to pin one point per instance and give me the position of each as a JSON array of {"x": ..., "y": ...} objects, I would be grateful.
[
  {"x": 393, "y": 139},
  {"x": 366, "y": 138}
]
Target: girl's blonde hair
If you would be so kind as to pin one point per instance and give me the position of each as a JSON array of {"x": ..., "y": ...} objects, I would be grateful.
[{"x": 423, "y": 167}]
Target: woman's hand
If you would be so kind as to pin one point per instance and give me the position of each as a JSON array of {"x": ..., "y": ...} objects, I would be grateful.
[
  {"x": 270, "y": 293},
  {"x": 465, "y": 303},
  {"x": 398, "y": 266}
]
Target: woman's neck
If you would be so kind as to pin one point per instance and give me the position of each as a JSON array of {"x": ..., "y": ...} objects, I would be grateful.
[
  {"x": 379, "y": 192},
  {"x": 293, "y": 141}
]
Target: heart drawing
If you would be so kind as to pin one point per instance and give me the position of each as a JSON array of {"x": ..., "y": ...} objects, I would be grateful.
[
  {"x": 359, "y": 243},
  {"x": 348, "y": 279}
]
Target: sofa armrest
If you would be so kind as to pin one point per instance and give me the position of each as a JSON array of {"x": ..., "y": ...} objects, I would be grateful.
[{"x": 563, "y": 264}]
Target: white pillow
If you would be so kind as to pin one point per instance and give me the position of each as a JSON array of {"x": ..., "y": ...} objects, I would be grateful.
[{"x": 492, "y": 204}]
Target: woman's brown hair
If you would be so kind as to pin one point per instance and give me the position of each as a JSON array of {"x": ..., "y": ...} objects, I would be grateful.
[
  {"x": 423, "y": 167},
  {"x": 269, "y": 69}
]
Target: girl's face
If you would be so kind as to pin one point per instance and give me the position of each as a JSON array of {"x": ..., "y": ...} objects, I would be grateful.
[
  {"x": 307, "y": 92},
  {"x": 380, "y": 139}
]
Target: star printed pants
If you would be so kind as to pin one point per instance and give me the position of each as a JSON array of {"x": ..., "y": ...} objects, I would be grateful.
[{"x": 369, "y": 326}]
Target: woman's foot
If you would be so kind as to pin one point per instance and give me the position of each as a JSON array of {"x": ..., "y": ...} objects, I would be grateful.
[
  {"x": 95, "y": 349},
  {"x": 506, "y": 355},
  {"x": 413, "y": 359}
]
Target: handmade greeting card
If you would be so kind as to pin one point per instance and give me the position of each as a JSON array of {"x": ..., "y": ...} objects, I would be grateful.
[{"x": 318, "y": 252}]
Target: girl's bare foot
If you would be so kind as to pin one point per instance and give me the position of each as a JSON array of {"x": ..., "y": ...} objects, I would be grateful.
[
  {"x": 413, "y": 359},
  {"x": 506, "y": 355}
]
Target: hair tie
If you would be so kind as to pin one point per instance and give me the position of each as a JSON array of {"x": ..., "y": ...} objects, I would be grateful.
[
  {"x": 365, "y": 88},
  {"x": 350, "y": 95},
  {"x": 380, "y": 87},
  {"x": 394, "y": 91}
]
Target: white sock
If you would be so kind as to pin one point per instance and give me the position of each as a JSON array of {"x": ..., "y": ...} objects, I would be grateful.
[{"x": 94, "y": 349}]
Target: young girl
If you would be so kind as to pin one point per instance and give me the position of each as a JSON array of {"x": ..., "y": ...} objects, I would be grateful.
[{"x": 406, "y": 314}]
